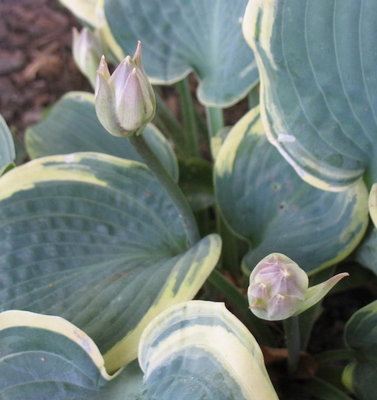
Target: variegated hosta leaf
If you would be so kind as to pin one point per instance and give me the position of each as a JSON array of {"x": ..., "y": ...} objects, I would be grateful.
[
  {"x": 92, "y": 13},
  {"x": 366, "y": 253},
  {"x": 7, "y": 151},
  {"x": 317, "y": 64},
  {"x": 72, "y": 126},
  {"x": 203, "y": 36},
  {"x": 96, "y": 240},
  {"x": 372, "y": 203},
  {"x": 128, "y": 385},
  {"x": 198, "y": 350},
  {"x": 89, "y": 11},
  {"x": 361, "y": 335},
  {"x": 264, "y": 201},
  {"x": 46, "y": 357}
]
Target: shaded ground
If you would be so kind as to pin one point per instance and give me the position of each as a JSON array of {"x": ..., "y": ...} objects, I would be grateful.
[{"x": 36, "y": 67}]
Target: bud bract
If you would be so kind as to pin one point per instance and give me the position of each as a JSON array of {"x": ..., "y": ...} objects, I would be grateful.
[
  {"x": 87, "y": 51},
  {"x": 125, "y": 101},
  {"x": 279, "y": 288}
]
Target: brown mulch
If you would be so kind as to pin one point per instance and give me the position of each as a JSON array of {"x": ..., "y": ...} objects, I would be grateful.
[{"x": 36, "y": 66}]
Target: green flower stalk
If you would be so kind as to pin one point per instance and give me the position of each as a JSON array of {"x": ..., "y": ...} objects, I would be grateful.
[
  {"x": 125, "y": 101},
  {"x": 87, "y": 51},
  {"x": 279, "y": 288}
]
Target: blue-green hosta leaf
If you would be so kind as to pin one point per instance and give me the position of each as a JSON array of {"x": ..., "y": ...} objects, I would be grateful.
[
  {"x": 46, "y": 357},
  {"x": 317, "y": 62},
  {"x": 361, "y": 335},
  {"x": 95, "y": 239},
  {"x": 7, "y": 151},
  {"x": 72, "y": 126},
  {"x": 264, "y": 201},
  {"x": 203, "y": 36},
  {"x": 198, "y": 350}
]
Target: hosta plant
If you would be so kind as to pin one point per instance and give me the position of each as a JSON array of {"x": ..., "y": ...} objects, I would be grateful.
[{"x": 126, "y": 213}]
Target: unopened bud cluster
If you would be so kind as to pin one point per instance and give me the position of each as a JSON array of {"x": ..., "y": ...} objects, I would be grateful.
[
  {"x": 87, "y": 51},
  {"x": 125, "y": 101},
  {"x": 277, "y": 285},
  {"x": 279, "y": 288}
]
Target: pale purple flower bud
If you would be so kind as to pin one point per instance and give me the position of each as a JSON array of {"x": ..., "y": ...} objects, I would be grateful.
[
  {"x": 279, "y": 288},
  {"x": 125, "y": 101},
  {"x": 87, "y": 51}
]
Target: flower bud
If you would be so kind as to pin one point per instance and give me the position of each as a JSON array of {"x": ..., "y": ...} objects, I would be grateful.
[
  {"x": 279, "y": 288},
  {"x": 87, "y": 52},
  {"x": 125, "y": 101}
]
